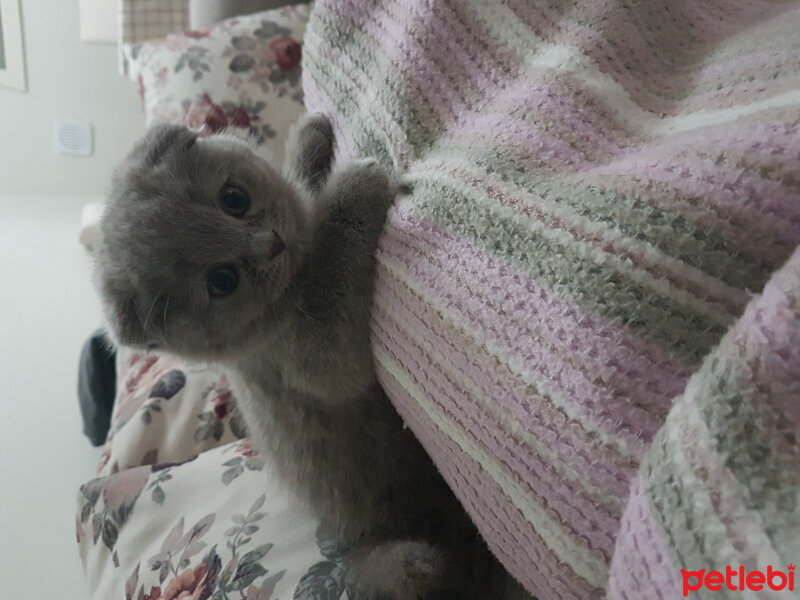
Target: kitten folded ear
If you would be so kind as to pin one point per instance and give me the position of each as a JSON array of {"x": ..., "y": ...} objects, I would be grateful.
[{"x": 162, "y": 139}]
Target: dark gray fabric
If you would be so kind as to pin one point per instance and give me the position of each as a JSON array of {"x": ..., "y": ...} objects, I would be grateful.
[{"x": 97, "y": 385}]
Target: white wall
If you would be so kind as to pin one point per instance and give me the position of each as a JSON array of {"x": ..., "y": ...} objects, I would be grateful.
[
  {"x": 67, "y": 79},
  {"x": 47, "y": 309},
  {"x": 47, "y": 305}
]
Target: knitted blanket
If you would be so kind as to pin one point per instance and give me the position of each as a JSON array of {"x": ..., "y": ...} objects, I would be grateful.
[{"x": 588, "y": 309}]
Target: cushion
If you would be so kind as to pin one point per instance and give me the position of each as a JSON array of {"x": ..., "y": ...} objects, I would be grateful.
[
  {"x": 185, "y": 508},
  {"x": 214, "y": 527},
  {"x": 166, "y": 411},
  {"x": 243, "y": 72}
]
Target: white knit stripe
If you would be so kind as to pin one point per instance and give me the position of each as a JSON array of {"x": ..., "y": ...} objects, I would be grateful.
[
  {"x": 702, "y": 470},
  {"x": 539, "y": 55}
]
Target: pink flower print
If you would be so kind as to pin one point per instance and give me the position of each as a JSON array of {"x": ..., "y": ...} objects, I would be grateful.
[
  {"x": 79, "y": 534},
  {"x": 266, "y": 55},
  {"x": 104, "y": 457},
  {"x": 161, "y": 79},
  {"x": 246, "y": 448},
  {"x": 175, "y": 42},
  {"x": 206, "y": 117},
  {"x": 222, "y": 397},
  {"x": 134, "y": 381},
  {"x": 124, "y": 488},
  {"x": 288, "y": 53},
  {"x": 198, "y": 34},
  {"x": 155, "y": 593},
  {"x": 189, "y": 585},
  {"x": 240, "y": 118},
  {"x": 216, "y": 120}
]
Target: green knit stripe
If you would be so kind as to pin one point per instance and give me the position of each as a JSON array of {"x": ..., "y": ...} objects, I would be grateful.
[{"x": 563, "y": 267}]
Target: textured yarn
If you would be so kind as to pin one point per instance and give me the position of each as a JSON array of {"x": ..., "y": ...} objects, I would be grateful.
[{"x": 588, "y": 308}]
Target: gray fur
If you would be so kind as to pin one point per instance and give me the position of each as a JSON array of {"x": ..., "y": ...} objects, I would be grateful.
[{"x": 294, "y": 335}]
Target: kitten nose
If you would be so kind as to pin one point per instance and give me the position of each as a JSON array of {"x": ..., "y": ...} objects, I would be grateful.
[
  {"x": 267, "y": 245},
  {"x": 276, "y": 247}
]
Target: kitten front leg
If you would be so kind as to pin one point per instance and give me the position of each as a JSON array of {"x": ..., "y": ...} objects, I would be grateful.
[
  {"x": 309, "y": 151},
  {"x": 332, "y": 347}
]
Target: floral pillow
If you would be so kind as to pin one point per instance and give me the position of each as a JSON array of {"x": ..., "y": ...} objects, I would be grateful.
[
  {"x": 167, "y": 412},
  {"x": 243, "y": 72},
  {"x": 184, "y": 508},
  {"x": 193, "y": 531}
]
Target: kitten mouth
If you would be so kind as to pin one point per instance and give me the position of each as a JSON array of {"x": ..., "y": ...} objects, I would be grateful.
[{"x": 277, "y": 246}]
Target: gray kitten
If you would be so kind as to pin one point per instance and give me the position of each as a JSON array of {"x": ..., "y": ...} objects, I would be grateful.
[{"x": 209, "y": 253}]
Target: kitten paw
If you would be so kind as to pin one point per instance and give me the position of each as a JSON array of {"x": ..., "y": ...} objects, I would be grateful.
[
  {"x": 365, "y": 177},
  {"x": 398, "y": 571},
  {"x": 310, "y": 150},
  {"x": 319, "y": 123},
  {"x": 396, "y": 186}
]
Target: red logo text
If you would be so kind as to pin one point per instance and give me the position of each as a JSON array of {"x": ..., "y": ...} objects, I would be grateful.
[{"x": 738, "y": 579}]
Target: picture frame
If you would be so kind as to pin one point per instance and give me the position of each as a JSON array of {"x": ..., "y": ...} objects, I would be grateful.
[{"x": 12, "y": 53}]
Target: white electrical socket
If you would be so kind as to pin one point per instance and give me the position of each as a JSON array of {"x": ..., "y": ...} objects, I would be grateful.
[{"x": 72, "y": 138}]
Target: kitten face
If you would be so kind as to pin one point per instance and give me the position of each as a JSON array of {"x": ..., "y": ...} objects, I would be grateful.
[{"x": 201, "y": 238}]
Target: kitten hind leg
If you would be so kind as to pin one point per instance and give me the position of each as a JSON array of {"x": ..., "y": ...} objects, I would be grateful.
[
  {"x": 309, "y": 150},
  {"x": 400, "y": 570}
]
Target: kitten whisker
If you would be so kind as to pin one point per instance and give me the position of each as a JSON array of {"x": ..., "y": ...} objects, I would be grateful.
[
  {"x": 219, "y": 169},
  {"x": 128, "y": 309},
  {"x": 150, "y": 312},
  {"x": 166, "y": 305}
]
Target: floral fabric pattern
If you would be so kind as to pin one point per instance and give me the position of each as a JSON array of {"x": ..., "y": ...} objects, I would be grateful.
[
  {"x": 185, "y": 507},
  {"x": 242, "y": 73},
  {"x": 166, "y": 412},
  {"x": 244, "y": 538}
]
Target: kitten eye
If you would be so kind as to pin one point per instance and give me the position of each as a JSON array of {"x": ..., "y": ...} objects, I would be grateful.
[
  {"x": 234, "y": 201},
  {"x": 222, "y": 281}
]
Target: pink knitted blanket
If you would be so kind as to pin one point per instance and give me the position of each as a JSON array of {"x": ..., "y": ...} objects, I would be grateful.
[{"x": 588, "y": 310}]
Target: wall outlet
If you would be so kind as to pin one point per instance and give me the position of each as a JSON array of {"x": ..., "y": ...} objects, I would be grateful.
[{"x": 73, "y": 138}]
